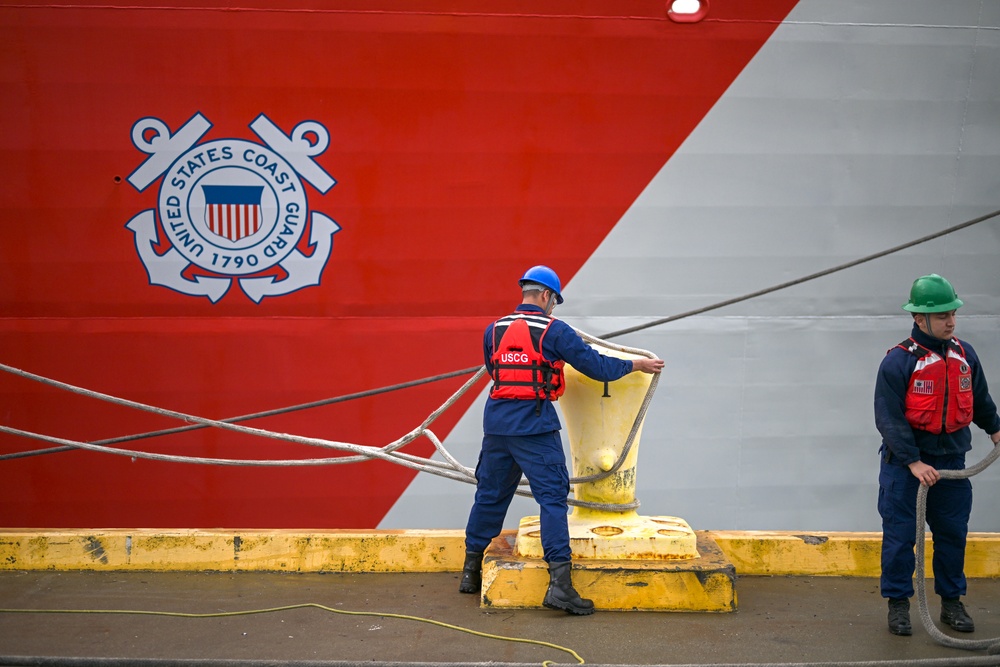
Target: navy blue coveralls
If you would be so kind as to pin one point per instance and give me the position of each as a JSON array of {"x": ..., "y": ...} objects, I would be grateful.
[
  {"x": 949, "y": 501},
  {"x": 516, "y": 439}
]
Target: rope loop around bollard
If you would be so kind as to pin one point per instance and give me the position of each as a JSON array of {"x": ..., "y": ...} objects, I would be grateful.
[
  {"x": 636, "y": 423},
  {"x": 992, "y": 645}
]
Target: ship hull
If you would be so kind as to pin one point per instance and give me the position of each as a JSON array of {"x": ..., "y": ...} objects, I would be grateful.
[{"x": 659, "y": 167}]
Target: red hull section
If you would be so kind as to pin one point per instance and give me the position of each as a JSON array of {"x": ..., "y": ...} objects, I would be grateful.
[{"x": 465, "y": 146}]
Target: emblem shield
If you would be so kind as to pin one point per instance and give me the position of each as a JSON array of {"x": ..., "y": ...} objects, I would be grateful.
[{"x": 233, "y": 211}]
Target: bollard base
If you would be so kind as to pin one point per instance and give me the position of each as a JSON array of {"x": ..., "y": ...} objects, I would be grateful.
[
  {"x": 615, "y": 536},
  {"x": 705, "y": 583}
]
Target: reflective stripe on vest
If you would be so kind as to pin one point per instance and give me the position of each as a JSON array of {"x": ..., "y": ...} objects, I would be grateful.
[
  {"x": 519, "y": 368},
  {"x": 939, "y": 397}
]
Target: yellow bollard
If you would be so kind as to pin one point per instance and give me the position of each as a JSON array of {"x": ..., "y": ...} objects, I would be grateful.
[
  {"x": 598, "y": 419},
  {"x": 621, "y": 560}
]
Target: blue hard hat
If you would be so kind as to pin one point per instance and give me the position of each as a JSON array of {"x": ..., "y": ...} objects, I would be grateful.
[{"x": 545, "y": 277}]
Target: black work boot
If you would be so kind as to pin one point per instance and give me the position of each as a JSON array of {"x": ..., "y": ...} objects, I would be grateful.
[
  {"x": 899, "y": 617},
  {"x": 954, "y": 615},
  {"x": 472, "y": 573},
  {"x": 562, "y": 595}
]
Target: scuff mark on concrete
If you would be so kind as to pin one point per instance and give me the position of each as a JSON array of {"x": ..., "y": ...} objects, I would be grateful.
[{"x": 95, "y": 550}]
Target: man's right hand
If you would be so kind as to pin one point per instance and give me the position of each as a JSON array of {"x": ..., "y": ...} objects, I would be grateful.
[
  {"x": 925, "y": 473},
  {"x": 647, "y": 365}
]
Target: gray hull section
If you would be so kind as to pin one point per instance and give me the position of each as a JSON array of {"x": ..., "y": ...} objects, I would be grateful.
[{"x": 859, "y": 126}]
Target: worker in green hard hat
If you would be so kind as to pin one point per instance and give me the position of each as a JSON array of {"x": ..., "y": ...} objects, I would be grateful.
[{"x": 930, "y": 389}]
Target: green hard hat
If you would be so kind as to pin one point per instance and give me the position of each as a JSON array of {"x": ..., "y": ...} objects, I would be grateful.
[{"x": 932, "y": 294}]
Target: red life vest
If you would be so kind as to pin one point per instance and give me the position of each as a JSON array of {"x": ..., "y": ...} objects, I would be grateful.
[
  {"x": 939, "y": 397},
  {"x": 519, "y": 369}
]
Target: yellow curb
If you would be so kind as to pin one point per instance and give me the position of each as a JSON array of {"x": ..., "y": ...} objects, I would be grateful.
[
  {"x": 751, "y": 552},
  {"x": 840, "y": 554},
  {"x": 229, "y": 550}
]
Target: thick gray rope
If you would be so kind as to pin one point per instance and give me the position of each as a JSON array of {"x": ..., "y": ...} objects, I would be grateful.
[
  {"x": 803, "y": 279},
  {"x": 255, "y": 415},
  {"x": 362, "y": 453},
  {"x": 925, "y": 616}
]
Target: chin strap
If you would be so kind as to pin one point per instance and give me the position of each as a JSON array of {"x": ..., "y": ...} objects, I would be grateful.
[{"x": 550, "y": 304}]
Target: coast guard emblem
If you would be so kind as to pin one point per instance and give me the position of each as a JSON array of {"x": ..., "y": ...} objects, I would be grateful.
[{"x": 231, "y": 210}]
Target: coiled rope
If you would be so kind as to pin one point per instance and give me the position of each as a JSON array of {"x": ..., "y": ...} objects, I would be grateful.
[{"x": 925, "y": 616}]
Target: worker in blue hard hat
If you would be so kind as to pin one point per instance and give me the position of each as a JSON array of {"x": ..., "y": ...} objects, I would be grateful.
[
  {"x": 930, "y": 389},
  {"x": 543, "y": 276},
  {"x": 525, "y": 353}
]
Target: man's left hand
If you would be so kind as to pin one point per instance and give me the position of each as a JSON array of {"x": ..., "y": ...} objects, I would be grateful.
[{"x": 646, "y": 365}]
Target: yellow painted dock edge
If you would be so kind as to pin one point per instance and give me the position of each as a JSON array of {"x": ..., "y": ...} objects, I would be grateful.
[{"x": 751, "y": 552}]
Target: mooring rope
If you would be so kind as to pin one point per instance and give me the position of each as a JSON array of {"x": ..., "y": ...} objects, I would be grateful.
[
  {"x": 255, "y": 415},
  {"x": 473, "y": 369},
  {"x": 451, "y": 468}
]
